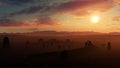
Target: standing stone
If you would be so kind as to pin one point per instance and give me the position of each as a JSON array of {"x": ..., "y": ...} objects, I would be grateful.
[
  {"x": 6, "y": 42},
  {"x": 109, "y": 46}
]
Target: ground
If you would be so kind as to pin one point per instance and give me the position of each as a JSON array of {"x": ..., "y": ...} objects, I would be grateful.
[{"x": 75, "y": 56}]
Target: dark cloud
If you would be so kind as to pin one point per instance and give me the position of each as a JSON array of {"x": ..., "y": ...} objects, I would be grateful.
[
  {"x": 85, "y": 5},
  {"x": 2, "y": 4},
  {"x": 67, "y": 7},
  {"x": 17, "y": 2},
  {"x": 30, "y": 10},
  {"x": 43, "y": 21},
  {"x": 11, "y": 22},
  {"x": 39, "y": 9},
  {"x": 39, "y": 21}
]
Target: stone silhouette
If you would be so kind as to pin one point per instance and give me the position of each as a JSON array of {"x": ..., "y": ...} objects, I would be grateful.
[
  {"x": 88, "y": 44},
  {"x": 6, "y": 42},
  {"x": 53, "y": 42},
  {"x": 27, "y": 42},
  {"x": 68, "y": 43},
  {"x": 40, "y": 40},
  {"x": 109, "y": 46}
]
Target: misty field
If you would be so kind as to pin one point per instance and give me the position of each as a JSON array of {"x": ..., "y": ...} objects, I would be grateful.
[{"x": 60, "y": 51}]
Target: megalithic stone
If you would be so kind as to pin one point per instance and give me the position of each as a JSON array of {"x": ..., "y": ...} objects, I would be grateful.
[{"x": 6, "y": 42}]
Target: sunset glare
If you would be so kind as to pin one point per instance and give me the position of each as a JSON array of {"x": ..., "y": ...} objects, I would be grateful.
[{"x": 95, "y": 19}]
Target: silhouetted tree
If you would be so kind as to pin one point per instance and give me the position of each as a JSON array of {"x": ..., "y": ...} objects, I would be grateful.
[{"x": 6, "y": 42}]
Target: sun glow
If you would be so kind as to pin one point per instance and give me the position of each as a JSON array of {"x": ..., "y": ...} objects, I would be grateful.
[{"x": 95, "y": 19}]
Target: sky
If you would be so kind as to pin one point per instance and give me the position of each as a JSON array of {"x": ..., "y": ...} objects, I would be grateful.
[{"x": 59, "y": 15}]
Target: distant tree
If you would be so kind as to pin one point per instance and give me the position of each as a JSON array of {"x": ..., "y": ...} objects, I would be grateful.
[{"x": 6, "y": 42}]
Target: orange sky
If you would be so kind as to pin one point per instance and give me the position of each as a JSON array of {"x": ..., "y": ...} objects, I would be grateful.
[{"x": 60, "y": 15}]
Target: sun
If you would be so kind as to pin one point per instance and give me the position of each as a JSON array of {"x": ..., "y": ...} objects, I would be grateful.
[{"x": 95, "y": 19}]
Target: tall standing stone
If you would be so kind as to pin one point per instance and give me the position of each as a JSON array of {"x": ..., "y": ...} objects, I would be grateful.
[{"x": 6, "y": 42}]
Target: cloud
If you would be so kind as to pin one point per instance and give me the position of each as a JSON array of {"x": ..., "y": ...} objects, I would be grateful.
[
  {"x": 2, "y": 4},
  {"x": 12, "y": 23},
  {"x": 117, "y": 1},
  {"x": 30, "y": 10},
  {"x": 17, "y": 2},
  {"x": 117, "y": 18},
  {"x": 44, "y": 21},
  {"x": 38, "y": 21},
  {"x": 45, "y": 11},
  {"x": 82, "y": 7},
  {"x": 68, "y": 7},
  {"x": 33, "y": 29},
  {"x": 80, "y": 14},
  {"x": 81, "y": 4}
]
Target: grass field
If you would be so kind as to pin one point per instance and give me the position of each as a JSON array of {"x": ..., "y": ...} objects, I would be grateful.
[{"x": 61, "y": 54}]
